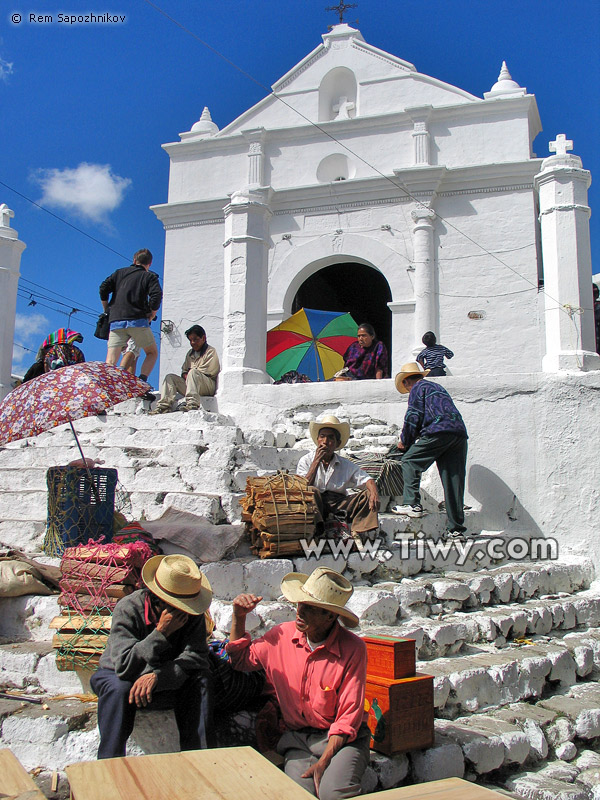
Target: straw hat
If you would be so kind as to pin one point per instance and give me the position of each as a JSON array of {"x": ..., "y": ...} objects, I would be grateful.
[
  {"x": 329, "y": 421},
  {"x": 177, "y": 580},
  {"x": 324, "y": 588},
  {"x": 411, "y": 368}
]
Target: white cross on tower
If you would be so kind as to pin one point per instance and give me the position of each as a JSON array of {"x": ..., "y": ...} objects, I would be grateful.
[
  {"x": 5, "y": 216},
  {"x": 561, "y": 145}
]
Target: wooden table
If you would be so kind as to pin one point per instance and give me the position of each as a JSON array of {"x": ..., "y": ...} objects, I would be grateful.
[
  {"x": 15, "y": 781},
  {"x": 227, "y": 773},
  {"x": 447, "y": 789}
]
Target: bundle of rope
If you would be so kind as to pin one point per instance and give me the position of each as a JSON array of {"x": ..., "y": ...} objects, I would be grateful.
[
  {"x": 93, "y": 578},
  {"x": 279, "y": 511}
]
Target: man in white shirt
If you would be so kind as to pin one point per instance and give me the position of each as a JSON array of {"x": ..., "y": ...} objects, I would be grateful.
[{"x": 336, "y": 478}]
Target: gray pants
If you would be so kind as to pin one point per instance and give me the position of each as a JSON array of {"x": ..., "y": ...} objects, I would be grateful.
[
  {"x": 196, "y": 385},
  {"x": 301, "y": 749}
]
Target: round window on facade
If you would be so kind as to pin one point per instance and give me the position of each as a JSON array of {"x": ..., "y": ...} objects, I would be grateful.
[{"x": 336, "y": 167}]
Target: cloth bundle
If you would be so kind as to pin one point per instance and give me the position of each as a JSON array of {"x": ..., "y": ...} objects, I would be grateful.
[
  {"x": 279, "y": 511},
  {"x": 93, "y": 578}
]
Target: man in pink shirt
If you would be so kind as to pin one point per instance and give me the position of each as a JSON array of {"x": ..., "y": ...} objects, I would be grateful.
[{"x": 318, "y": 671}]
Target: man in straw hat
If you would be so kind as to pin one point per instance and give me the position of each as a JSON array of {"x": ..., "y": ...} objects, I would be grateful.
[
  {"x": 334, "y": 477},
  {"x": 433, "y": 431},
  {"x": 157, "y": 656},
  {"x": 318, "y": 671}
]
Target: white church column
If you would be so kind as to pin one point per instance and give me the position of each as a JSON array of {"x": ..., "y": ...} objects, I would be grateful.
[
  {"x": 256, "y": 157},
  {"x": 11, "y": 249},
  {"x": 562, "y": 185},
  {"x": 246, "y": 245},
  {"x": 423, "y": 262},
  {"x": 421, "y": 137}
]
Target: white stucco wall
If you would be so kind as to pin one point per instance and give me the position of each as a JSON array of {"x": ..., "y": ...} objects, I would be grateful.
[{"x": 532, "y": 463}]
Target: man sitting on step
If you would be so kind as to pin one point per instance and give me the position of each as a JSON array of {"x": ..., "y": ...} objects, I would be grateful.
[
  {"x": 198, "y": 375},
  {"x": 157, "y": 656},
  {"x": 318, "y": 670},
  {"x": 334, "y": 478}
]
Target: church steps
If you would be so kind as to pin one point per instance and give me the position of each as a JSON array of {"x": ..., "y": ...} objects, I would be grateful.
[
  {"x": 500, "y": 711},
  {"x": 517, "y": 746}
]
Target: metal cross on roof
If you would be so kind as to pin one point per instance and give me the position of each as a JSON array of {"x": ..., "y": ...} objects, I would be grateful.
[{"x": 341, "y": 9}]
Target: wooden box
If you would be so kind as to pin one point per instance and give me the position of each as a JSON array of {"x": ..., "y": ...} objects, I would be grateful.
[
  {"x": 390, "y": 658},
  {"x": 400, "y": 713}
]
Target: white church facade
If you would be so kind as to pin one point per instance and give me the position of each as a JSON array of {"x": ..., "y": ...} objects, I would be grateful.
[{"x": 362, "y": 185}]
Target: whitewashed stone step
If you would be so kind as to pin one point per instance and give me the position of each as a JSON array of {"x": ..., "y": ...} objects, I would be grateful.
[
  {"x": 27, "y": 618},
  {"x": 471, "y": 682},
  {"x": 533, "y": 618},
  {"x": 26, "y": 504},
  {"x": 152, "y": 505},
  {"x": 52, "y": 737},
  {"x": 31, "y": 505},
  {"x": 23, "y": 535},
  {"x": 487, "y": 743},
  {"x": 18, "y": 479}
]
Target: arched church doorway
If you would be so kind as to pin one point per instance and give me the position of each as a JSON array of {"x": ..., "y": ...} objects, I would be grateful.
[{"x": 353, "y": 287}]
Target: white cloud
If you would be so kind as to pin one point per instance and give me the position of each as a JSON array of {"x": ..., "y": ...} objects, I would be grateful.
[
  {"x": 6, "y": 69},
  {"x": 90, "y": 190},
  {"x": 30, "y": 331}
]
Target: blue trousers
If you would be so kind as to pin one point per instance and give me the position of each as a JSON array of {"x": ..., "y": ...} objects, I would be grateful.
[{"x": 191, "y": 703}]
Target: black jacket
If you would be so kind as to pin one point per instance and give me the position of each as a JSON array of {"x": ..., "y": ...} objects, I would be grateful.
[{"x": 135, "y": 292}]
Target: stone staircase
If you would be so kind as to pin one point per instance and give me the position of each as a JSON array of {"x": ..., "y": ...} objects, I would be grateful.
[
  {"x": 514, "y": 646},
  {"x": 514, "y": 651}
]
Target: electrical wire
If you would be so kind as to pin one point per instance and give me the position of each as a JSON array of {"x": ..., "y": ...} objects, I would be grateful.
[
  {"x": 56, "y": 216},
  {"x": 51, "y": 291},
  {"x": 345, "y": 147}
]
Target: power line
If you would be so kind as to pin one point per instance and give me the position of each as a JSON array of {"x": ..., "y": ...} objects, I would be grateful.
[
  {"x": 60, "y": 219},
  {"x": 33, "y": 295},
  {"x": 51, "y": 291},
  {"x": 345, "y": 147},
  {"x": 56, "y": 310}
]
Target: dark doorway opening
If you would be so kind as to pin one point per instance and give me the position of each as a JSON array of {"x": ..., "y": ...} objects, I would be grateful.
[{"x": 357, "y": 288}]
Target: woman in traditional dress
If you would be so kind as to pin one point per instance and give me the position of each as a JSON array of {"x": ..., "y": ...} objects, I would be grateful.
[{"x": 367, "y": 358}]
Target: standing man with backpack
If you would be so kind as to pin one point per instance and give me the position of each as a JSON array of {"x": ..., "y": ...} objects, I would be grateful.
[{"x": 136, "y": 298}]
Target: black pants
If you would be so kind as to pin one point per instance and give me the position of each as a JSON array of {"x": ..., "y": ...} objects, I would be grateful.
[
  {"x": 191, "y": 703},
  {"x": 449, "y": 451}
]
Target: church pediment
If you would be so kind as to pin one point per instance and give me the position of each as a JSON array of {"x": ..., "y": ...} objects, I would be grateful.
[{"x": 346, "y": 78}]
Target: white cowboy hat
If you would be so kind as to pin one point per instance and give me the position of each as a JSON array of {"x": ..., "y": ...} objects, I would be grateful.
[
  {"x": 177, "y": 580},
  {"x": 329, "y": 421},
  {"x": 411, "y": 368},
  {"x": 324, "y": 588}
]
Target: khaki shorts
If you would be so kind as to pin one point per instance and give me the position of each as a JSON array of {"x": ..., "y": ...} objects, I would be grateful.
[{"x": 141, "y": 336}]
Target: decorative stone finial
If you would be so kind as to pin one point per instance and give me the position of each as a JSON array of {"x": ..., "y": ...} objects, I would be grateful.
[
  {"x": 204, "y": 127},
  {"x": 559, "y": 146},
  {"x": 6, "y": 214},
  {"x": 505, "y": 85}
]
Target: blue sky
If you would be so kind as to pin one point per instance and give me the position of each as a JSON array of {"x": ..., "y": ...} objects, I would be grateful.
[{"x": 86, "y": 107}]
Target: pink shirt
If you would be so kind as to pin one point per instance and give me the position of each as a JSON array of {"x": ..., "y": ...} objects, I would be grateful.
[{"x": 322, "y": 688}]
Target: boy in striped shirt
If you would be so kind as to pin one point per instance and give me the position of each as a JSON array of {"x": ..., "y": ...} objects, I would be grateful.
[{"x": 432, "y": 357}]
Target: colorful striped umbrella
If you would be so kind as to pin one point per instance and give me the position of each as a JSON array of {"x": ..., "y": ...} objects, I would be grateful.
[{"x": 310, "y": 342}]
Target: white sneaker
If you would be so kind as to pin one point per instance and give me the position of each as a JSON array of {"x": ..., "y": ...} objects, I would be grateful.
[{"x": 408, "y": 511}]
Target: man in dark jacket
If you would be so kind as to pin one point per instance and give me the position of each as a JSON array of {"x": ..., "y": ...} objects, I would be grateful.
[
  {"x": 157, "y": 656},
  {"x": 136, "y": 298},
  {"x": 433, "y": 431}
]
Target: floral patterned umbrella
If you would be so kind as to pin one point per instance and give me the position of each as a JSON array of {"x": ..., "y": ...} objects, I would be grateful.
[{"x": 79, "y": 390}]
